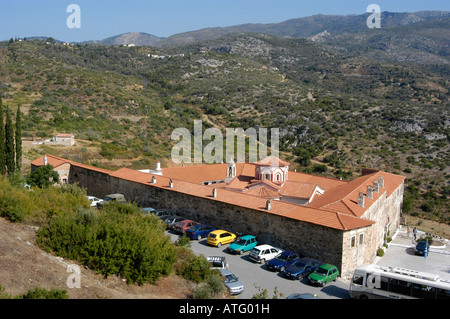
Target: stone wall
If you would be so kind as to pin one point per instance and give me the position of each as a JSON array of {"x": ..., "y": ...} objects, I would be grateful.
[{"x": 385, "y": 212}]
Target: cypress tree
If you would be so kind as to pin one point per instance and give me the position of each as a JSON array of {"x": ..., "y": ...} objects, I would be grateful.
[
  {"x": 9, "y": 143},
  {"x": 18, "y": 139},
  {"x": 2, "y": 141}
]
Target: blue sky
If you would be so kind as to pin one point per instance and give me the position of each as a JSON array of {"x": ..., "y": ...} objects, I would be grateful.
[{"x": 104, "y": 18}]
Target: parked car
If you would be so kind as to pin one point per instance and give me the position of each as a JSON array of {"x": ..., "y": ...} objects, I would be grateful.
[
  {"x": 94, "y": 200},
  {"x": 243, "y": 244},
  {"x": 420, "y": 248},
  {"x": 172, "y": 220},
  {"x": 323, "y": 274},
  {"x": 217, "y": 262},
  {"x": 232, "y": 282},
  {"x": 264, "y": 253},
  {"x": 199, "y": 231},
  {"x": 301, "y": 268},
  {"x": 120, "y": 198},
  {"x": 183, "y": 225},
  {"x": 220, "y": 237},
  {"x": 162, "y": 213},
  {"x": 282, "y": 260},
  {"x": 146, "y": 211}
]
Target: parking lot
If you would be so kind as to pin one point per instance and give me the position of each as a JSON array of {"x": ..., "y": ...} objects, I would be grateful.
[
  {"x": 401, "y": 254},
  {"x": 255, "y": 276}
]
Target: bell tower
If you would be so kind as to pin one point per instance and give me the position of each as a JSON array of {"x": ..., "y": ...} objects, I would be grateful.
[{"x": 231, "y": 171}]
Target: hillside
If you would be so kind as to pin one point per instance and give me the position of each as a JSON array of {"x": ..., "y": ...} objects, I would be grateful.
[
  {"x": 342, "y": 102},
  {"x": 24, "y": 266},
  {"x": 306, "y": 26}
]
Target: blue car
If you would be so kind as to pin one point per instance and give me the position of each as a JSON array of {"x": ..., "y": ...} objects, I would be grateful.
[
  {"x": 420, "y": 248},
  {"x": 301, "y": 268},
  {"x": 199, "y": 231},
  {"x": 282, "y": 260},
  {"x": 245, "y": 243}
]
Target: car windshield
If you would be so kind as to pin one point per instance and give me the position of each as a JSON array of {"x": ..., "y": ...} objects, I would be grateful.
[
  {"x": 282, "y": 257},
  {"x": 212, "y": 235},
  {"x": 231, "y": 278},
  {"x": 321, "y": 271},
  {"x": 107, "y": 198},
  {"x": 241, "y": 242},
  {"x": 194, "y": 228},
  {"x": 421, "y": 244},
  {"x": 300, "y": 264}
]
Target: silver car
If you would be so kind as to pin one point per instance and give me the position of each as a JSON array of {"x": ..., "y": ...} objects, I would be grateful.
[{"x": 232, "y": 282}]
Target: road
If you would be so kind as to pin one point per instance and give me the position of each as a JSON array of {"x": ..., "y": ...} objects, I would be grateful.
[{"x": 255, "y": 276}]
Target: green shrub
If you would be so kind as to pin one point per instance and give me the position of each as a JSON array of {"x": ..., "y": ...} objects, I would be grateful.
[
  {"x": 41, "y": 293},
  {"x": 43, "y": 176},
  {"x": 192, "y": 267},
  {"x": 380, "y": 252},
  {"x": 116, "y": 240},
  {"x": 202, "y": 291}
]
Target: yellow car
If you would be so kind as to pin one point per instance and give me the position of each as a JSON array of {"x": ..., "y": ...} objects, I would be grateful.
[{"x": 220, "y": 237}]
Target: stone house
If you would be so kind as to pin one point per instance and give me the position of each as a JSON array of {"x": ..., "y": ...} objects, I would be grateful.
[
  {"x": 65, "y": 139},
  {"x": 335, "y": 221}
]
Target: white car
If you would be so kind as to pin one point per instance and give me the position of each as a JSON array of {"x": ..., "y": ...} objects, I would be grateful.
[
  {"x": 94, "y": 200},
  {"x": 264, "y": 253}
]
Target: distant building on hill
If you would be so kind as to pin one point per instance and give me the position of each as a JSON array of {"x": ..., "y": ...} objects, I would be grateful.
[{"x": 65, "y": 139}]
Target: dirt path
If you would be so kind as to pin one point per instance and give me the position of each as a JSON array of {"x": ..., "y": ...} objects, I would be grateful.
[{"x": 24, "y": 266}]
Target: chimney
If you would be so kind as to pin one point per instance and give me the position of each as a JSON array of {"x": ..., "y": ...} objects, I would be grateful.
[
  {"x": 153, "y": 180},
  {"x": 45, "y": 160},
  {"x": 158, "y": 166},
  {"x": 268, "y": 205},
  {"x": 361, "y": 199},
  {"x": 381, "y": 181},
  {"x": 214, "y": 193},
  {"x": 375, "y": 186},
  {"x": 170, "y": 183},
  {"x": 370, "y": 191}
]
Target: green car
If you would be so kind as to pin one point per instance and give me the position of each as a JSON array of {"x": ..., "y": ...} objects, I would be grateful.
[
  {"x": 243, "y": 244},
  {"x": 323, "y": 275}
]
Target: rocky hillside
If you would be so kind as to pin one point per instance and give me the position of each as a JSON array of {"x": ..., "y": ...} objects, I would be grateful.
[{"x": 376, "y": 98}]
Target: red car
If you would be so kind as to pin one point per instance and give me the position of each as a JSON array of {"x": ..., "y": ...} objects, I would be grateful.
[{"x": 184, "y": 225}]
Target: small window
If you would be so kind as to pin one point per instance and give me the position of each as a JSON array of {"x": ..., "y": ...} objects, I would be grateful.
[
  {"x": 352, "y": 241},
  {"x": 361, "y": 239},
  {"x": 358, "y": 280}
]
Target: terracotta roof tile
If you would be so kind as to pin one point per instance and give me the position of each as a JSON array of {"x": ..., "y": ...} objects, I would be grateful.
[
  {"x": 272, "y": 161},
  {"x": 56, "y": 161}
]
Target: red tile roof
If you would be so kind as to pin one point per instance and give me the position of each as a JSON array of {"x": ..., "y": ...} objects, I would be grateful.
[
  {"x": 337, "y": 208},
  {"x": 56, "y": 161},
  {"x": 272, "y": 161}
]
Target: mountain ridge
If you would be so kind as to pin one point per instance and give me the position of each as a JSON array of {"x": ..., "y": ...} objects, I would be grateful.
[{"x": 295, "y": 28}]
